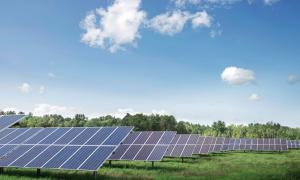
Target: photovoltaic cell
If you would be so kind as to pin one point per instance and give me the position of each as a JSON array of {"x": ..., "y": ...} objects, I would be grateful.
[
  {"x": 9, "y": 120},
  {"x": 144, "y": 146},
  {"x": 60, "y": 148}
]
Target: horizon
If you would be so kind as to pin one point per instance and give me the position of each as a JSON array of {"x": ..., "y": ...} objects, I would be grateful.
[{"x": 201, "y": 61}]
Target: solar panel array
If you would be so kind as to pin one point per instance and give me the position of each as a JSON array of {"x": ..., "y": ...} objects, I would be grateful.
[
  {"x": 185, "y": 145},
  {"x": 9, "y": 120},
  {"x": 59, "y": 148},
  {"x": 88, "y": 148},
  {"x": 144, "y": 146},
  {"x": 293, "y": 144}
]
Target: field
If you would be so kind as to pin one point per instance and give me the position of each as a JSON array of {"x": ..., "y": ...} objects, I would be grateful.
[{"x": 231, "y": 165}]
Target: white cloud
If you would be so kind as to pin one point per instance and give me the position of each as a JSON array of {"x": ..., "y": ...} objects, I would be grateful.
[
  {"x": 117, "y": 26},
  {"x": 25, "y": 88},
  {"x": 171, "y": 23},
  {"x": 42, "y": 89},
  {"x": 270, "y": 2},
  {"x": 201, "y": 19},
  {"x": 122, "y": 112},
  {"x": 254, "y": 97},
  {"x": 237, "y": 76},
  {"x": 9, "y": 109},
  {"x": 51, "y": 75},
  {"x": 43, "y": 109},
  {"x": 293, "y": 79}
]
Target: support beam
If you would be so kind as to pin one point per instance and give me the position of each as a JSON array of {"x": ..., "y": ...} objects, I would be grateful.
[
  {"x": 152, "y": 162},
  {"x": 182, "y": 159},
  {"x": 109, "y": 163},
  {"x": 1, "y": 170},
  {"x": 38, "y": 172},
  {"x": 95, "y": 174}
]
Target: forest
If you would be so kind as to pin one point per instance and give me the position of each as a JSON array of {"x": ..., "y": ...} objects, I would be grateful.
[{"x": 155, "y": 122}]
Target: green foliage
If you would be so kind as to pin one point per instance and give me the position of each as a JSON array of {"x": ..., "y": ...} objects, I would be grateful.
[{"x": 155, "y": 122}]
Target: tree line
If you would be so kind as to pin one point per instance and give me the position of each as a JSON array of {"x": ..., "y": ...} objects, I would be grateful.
[{"x": 155, "y": 122}]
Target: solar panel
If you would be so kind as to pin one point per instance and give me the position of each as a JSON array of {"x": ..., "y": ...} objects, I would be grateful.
[
  {"x": 144, "y": 146},
  {"x": 178, "y": 147},
  {"x": 218, "y": 144},
  {"x": 60, "y": 148},
  {"x": 9, "y": 120}
]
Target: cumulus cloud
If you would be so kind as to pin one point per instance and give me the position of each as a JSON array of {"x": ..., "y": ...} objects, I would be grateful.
[
  {"x": 215, "y": 33},
  {"x": 42, "y": 89},
  {"x": 25, "y": 88},
  {"x": 254, "y": 97},
  {"x": 171, "y": 23},
  {"x": 237, "y": 76},
  {"x": 293, "y": 79},
  {"x": 114, "y": 27},
  {"x": 43, "y": 109}
]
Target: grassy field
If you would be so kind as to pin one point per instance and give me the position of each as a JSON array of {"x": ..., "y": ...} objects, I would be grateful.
[{"x": 231, "y": 165}]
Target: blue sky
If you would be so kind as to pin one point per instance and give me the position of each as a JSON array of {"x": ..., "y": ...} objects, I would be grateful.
[{"x": 200, "y": 60}]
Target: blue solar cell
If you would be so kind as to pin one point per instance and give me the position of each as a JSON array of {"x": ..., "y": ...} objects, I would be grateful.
[
  {"x": 5, "y": 132},
  {"x": 167, "y": 137},
  {"x": 131, "y": 152},
  {"x": 55, "y": 136},
  {"x": 44, "y": 157},
  {"x": 79, "y": 157},
  {"x": 158, "y": 153},
  {"x": 69, "y": 136},
  {"x": 84, "y": 136},
  {"x": 142, "y": 138},
  {"x": 28, "y": 156},
  {"x": 14, "y": 154},
  {"x": 144, "y": 152},
  {"x": 175, "y": 139},
  {"x": 183, "y": 139},
  {"x": 154, "y": 138},
  {"x": 97, "y": 158},
  {"x": 100, "y": 136},
  {"x": 188, "y": 151},
  {"x": 169, "y": 150},
  {"x": 117, "y": 136},
  {"x": 40, "y": 136},
  {"x": 177, "y": 150},
  {"x": 12, "y": 135},
  {"x": 193, "y": 139},
  {"x": 6, "y": 149},
  {"x": 131, "y": 138},
  {"x": 27, "y": 135},
  {"x": 119, "y": 152},
  {"x": 61, "y": 157},
  {"x": 8, "y": 120}
]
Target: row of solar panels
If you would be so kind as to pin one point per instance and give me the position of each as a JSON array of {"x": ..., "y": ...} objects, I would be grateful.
[
  {"x": 293, "y": 144},
  {"x": 185, "y": 145},
  {"x": 89, "y": 148}
]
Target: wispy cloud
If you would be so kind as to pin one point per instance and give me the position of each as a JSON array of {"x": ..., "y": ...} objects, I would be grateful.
[{"x": 293, "y": 79}]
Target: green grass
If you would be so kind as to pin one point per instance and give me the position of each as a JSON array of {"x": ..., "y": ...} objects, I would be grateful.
[{"x": 231, "y": 165}]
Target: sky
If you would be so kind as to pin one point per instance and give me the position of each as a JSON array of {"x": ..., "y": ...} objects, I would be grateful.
[{"x": 199, "y": 60}]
